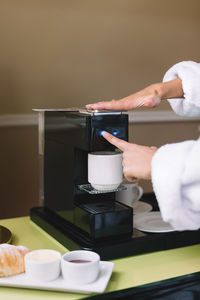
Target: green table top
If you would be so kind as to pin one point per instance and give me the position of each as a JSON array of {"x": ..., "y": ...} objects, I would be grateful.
[{"x": 128, "y": 272}]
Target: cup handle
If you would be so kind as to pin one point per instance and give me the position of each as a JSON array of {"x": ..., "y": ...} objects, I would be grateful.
[{"x": 140, "y": 189}]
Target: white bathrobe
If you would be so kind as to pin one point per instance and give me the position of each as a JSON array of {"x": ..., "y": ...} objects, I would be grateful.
[{"x": 176, "y": 167}]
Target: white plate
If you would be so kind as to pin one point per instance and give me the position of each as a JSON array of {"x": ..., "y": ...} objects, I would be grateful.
[
  {"x": 151, "y": 222},
  {"x": 141, "y": 207},
  {"x": 99, "y": 286}
]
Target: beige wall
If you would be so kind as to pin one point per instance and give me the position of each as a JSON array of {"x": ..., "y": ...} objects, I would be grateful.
[
  {"x": 19, "y": 171},
  {"x": 59, "y": 53}
]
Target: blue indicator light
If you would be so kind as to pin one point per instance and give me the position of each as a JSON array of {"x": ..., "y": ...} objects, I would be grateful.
[
  {"x": 100, "y": 132},
  {"x": 115, "y": 131}
]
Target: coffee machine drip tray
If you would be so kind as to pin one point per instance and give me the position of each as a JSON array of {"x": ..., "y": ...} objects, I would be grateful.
[{"x": 89, "y": 189}]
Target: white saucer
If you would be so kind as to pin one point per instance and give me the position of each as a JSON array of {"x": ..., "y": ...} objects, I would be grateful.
[
  {"x": 99, "y": 286},
  {"x": 151, "y": 222},
  {"x": 141, "y": 207}
]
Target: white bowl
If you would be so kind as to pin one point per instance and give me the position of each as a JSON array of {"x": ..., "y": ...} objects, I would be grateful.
[
  {"x": 43, "y": 264},
  {"x": 80, "y": 266}
]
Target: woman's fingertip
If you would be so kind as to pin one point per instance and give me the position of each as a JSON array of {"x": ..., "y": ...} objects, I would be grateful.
[{"x": 105, "y": 133}]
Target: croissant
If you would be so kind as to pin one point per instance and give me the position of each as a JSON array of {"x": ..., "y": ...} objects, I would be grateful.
[{"x": 12, "y": 259}]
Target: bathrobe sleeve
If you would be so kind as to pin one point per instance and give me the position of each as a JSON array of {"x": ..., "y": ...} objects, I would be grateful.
[
  {"x": 176, "y": 167},
  {"x": 189, "y": 73}
]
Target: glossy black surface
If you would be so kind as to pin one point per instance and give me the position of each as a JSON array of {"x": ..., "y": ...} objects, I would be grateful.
[
  {"x": 184, "y": 287},
  {"x": 104, "y": 219},
  {"x": 74, "y": 238},
  {"x": 69, "y": 137}
]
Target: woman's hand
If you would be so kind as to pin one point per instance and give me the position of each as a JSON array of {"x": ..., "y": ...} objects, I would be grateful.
[
  {"x": 151, "y": 96},
  {"x": 136, "y": 158},
  {"x": 148, "y": 97}
]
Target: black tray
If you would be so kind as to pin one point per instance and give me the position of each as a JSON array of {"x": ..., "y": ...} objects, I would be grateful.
[
  {"x": 185, "y": 287},
  {"x": 69, "y": 236}
]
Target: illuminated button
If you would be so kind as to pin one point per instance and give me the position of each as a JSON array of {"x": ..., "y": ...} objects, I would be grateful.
[
  {"x": 100, "y": 132},
  {"x": 115, "y": 131}
]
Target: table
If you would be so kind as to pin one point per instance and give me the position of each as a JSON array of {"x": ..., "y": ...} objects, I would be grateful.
[{"x": 128, "y": 272}]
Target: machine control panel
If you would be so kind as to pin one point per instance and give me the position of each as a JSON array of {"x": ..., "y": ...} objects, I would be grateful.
[
  {"x": 117, "y": 125},
  {"x": 115, "y": 132}
]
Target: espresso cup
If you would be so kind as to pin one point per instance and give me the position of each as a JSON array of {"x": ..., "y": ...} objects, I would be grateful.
[
  {"x": 131, "y": 195},
  {"x": 80, "y": 266},
  {"x": 105, "y": 170}
]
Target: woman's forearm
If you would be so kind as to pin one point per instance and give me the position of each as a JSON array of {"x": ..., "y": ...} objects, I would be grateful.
[
  {"x": 170, "y": 89},
  {"x": 148, "y": 97}
]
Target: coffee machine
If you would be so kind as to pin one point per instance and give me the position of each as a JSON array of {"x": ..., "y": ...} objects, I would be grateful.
[
  {"x": 70, "y": 210},
  {"x": 88, "y": 216}
]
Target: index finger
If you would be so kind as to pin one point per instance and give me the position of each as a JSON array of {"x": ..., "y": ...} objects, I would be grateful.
[
  {"x": 107, "y": 105},
  {"x": 121, "y": 144}
]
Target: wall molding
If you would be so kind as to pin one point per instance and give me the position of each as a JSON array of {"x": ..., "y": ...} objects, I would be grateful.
[
  {"x": 18, "y": 120},
  {"x": 159, "y": 116}
]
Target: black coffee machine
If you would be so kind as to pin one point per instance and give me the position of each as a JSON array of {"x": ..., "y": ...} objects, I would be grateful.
[
  {"x": 69, "y": 202},
  {"x": 71, "y": 210}
]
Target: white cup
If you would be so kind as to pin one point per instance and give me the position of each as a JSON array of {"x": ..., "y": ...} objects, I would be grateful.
[
  {"x": 131, "y": 194},
  {"x": 42, "y": 264},
  {"x": 80, "y": 266},
  {"x": 105, "y": 170}
]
